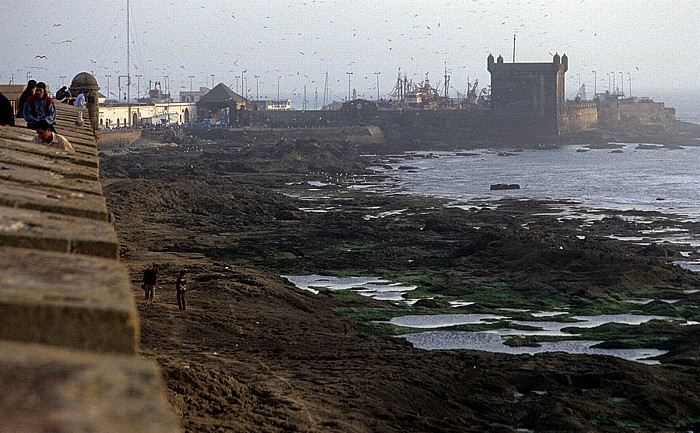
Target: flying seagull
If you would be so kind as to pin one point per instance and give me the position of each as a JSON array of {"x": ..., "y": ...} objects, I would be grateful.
[{"x": 40, "y": 57}]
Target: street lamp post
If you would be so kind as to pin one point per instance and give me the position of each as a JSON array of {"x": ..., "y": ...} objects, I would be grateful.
[
  {"x": 349, "y": 74},
  {"x": 108, "y": 76},
  {"x": 278, "y": 89},
  {"x": 595, "y": 84},
  {"x": 622, "y": 83},
  {"x": 377, "y": 74},
  {"x": 138, "y": 86},
  {"x": 257, "y": 88},
  {"x": 629, "y": 77}
]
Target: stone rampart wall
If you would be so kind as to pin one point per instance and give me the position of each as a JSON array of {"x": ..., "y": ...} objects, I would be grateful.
[{"x": 69, "y": 329}]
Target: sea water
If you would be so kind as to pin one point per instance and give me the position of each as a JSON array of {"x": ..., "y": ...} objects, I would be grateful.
[{"x": 656, "y": 179}]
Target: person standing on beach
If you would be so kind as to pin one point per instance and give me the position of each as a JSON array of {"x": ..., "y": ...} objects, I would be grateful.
[
  {"x": 150, "y": 280},
  {"x": 28, "y": 91},
  {"x": 181, "y": 288},
  {"x": 38, "y": 107}
]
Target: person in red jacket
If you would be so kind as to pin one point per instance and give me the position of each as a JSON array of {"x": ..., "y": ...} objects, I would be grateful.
[{"x": 38, "y": 107}]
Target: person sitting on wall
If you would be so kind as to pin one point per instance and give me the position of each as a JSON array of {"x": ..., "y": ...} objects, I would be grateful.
[
  {"x": 44, "y": 135},
  {"x": 38, "y": 107},
  {"x": 63, "y": 95},
  {"x": 28, "y": 91},
  {"x": 7, "y": 115},
  {"x": 80, "y": 101}
]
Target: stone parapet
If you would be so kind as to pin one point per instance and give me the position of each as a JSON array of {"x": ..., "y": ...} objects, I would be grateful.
[
  {"x": 47, "y": 389},
  {"x": 69, "y": 330}
]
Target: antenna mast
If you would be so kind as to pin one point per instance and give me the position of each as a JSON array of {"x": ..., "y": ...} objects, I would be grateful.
[{"x": 513, "y": 47}]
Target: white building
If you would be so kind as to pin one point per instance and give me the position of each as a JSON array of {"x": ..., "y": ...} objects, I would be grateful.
[
  {"x": 274, "y": 105},
  {"x": 173, "y": 113}
]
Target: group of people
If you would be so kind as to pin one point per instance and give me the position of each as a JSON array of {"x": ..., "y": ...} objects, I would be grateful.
[
  {"x": 37, "y": 107},
  {"x": 150, "y": 281}
]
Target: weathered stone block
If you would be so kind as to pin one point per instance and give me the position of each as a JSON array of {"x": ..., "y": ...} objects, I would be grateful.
[
  {"x": 54, "y": 232},
  {"x": 68, "y": 300},
  {"x": 47, "y": 389}
]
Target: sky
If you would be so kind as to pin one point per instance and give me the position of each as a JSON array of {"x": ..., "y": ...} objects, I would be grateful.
[{"x": 351, "y": 47}]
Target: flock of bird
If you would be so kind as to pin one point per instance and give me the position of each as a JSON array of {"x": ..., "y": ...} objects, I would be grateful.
[{"x": 304, "y": 40}]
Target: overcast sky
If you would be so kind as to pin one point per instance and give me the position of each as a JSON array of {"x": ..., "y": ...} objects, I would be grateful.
[{"x": 294, "y": 43}]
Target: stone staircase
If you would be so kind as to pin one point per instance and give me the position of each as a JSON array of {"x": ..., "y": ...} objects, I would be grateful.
[{"x": 69, "y": 330}]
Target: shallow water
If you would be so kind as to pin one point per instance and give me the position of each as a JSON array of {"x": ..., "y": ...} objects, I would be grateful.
[
  {"x": 374, "y": 287},
  {"x": 492, "y": 342}
]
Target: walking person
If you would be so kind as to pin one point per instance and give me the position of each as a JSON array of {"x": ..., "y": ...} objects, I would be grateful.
[
  {"x": 181, "y": 287},
  {"x": 150, "y": 280}
]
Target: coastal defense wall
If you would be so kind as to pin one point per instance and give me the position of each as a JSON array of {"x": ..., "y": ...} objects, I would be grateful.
[
  {"x": 69, "y": 329},
  {"x": 118, "y": 138},
  {"x": 576, "y": 117},
  {"x": 360, "y": 135},
  {"x": 432, "y": 128},
  {"x": 392, "y": 127},
  {"x": 634, "y": 111}
]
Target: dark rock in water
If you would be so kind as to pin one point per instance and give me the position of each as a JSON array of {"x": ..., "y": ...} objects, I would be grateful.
[
  {"x": 654, "y": 250},
  {"x": 522, "y": 341},
  {"x": 407, "y": 167},
  {"x": 501, "y": 186},
  {"x": 431, "y": 303},
  {"x": 616, "y": 151}
]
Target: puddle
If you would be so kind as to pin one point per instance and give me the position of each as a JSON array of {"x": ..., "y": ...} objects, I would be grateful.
[
  {"x": 641, "y": 301},
  {"x": 692, "y": 266},
  {"x": 492, "y": 342},
  {"x": 548, "y": 313},
  {"x": 375, "y": 287},
  {"x": 443, "y": 320},
  {"x": 456, "y": 304},
  {"x": 384, "y": 214}
]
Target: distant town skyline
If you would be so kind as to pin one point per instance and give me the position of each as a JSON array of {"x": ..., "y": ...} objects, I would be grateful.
[{"x": 268, "y": 48}]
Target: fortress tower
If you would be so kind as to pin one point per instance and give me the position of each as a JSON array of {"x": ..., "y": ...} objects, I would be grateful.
[{"x": 528, "y": 97}]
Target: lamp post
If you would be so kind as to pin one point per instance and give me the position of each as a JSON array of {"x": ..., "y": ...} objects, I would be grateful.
[
  {"x": 257, "y": 88},
  {"x": 595, "y": 85},
  {"x": 349, "y": 74},
  {"x": 278, "y": 89},
  {"x": 629, "y": 77},
  {"x": 377, "y": 74},
  {"x": 579, "y": 85},
  {"x": 612, "y": 73},
  {"x": 622, "y": 83},
  {"x": 138, "y": 86},
  {"x": 108, "y": 76}
]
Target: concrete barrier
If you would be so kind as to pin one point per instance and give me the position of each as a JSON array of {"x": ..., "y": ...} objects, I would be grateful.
[{"x": 69, "y": 331}]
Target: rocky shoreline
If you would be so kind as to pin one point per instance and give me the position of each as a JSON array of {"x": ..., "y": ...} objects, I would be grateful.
[{"x": 254, "y": 353}]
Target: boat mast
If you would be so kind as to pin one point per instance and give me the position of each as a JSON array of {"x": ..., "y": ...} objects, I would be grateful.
[{"x": 128, "y": 57}]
